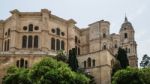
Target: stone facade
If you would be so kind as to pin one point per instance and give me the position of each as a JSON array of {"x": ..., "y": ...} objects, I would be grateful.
[{"x": 25, "y": 37}]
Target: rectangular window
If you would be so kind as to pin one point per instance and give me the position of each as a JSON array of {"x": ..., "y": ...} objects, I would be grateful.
[{"x": 125, "y": 35}]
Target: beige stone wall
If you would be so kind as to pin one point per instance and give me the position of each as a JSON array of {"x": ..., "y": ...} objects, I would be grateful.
[
  {"x": 91, "y": 41},
  {"x": 94, "y": 31},
  {"x": 84, "y": 41},
  {"x": 91, "y": 38},
  {"x": 103, "y": 65},
  {"x": 115, "y": 43},
  {"x": 46, "y": 22}
]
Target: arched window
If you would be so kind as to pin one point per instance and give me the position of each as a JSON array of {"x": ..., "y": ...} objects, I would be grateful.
[
  {"x": 94, "y": 62},
  {"x": 57, "y": 44},
  {"x": 104, "y": 47},
  {"x": 104, "y": 35},
  {"x": 35, "y": 41},
  {"x": 116, "y": 46},
  {"x": 126, "y": 49},
  {"x": 125, "y": 35},
  {"x": 62, "y": 45},
  {"x": 24, "y": 41},
  {"x": 26, "y": 64},
  {"x": 89, "y": 62},
  {"x": 5, "y": 47},
  {"x": 129, "y": 50},
  {"x": 58, "y": 31},
  {"x": 17, "y": 63},
  {"x": 5, "y": 33},
  {"x": 52, "y": 43},
  {"x": 84, "y": 64},
  {"x": 8, "y": 32},
  {"x": 22, "y": 63},
  {"x": 36, "y": 28},
  {"x": 76, "y": 39},
  {"x": 8, "y": 45},
  {"x": 62, "y": 33},
  {"x": 125, "y": 28},
  {"x": 78, "y": 51},
  {"x": 30, "y": 42},
  {"x": 30, "y": 27}
]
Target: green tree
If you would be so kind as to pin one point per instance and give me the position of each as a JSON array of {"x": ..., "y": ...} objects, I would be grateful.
[
  {"x": 132, "y": 76},
  {"x": 145, "y": 75},
  {"x": 122, "y": 57},
  {"x": 73, "y": 62},
  {"x": 61, "y": 56},
  {"x": 17, "y": 76},
  {"x": 145, "y": 61},
  {"x": 127, "y": 76},
  {"x": 47, "y": 71},
  {"x": 116, "y": 67},
  {"x": 92, "y": 80}
]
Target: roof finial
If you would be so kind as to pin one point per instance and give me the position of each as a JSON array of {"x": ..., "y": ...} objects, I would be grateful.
[{"x": 126, "y": 19}]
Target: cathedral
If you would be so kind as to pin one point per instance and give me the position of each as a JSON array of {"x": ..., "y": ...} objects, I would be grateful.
[{"x": 26, "y": 37}]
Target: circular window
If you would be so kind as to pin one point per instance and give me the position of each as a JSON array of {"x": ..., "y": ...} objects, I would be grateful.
[
  {"x": 53, "y": 30},
  {"x": 36, "y": 28},
  {"x": 62, "y": 33},
  {"x": 25, "y": 28}
]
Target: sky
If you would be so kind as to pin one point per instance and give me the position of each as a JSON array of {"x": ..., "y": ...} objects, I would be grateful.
[{"x": 85, "y": 12}]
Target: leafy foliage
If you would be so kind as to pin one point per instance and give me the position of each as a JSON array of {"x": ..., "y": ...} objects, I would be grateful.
[
  {"x": 145, "y": 61},
  {"x": 132, "y": 76},
  {"x": 61, "y": 56},
  {"x": 145, "y": 75},
  {"x": 92, "y": 80},
  {"x": 47, "y": 71},
  {"x": 17, "y": 76},
  {"x": 121, "y": 62}
]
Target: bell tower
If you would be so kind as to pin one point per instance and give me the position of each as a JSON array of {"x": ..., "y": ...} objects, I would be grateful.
[{"x": 128, "y": 42}]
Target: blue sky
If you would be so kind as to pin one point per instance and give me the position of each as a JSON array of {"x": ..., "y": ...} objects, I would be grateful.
[{"x": 88, "y": 11}]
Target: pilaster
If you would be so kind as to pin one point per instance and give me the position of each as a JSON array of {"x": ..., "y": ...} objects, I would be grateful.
[
  {"x": 71, "y": 34},
  {"x": 45, "y": 24},
  {"x": 15, "y": 24}
]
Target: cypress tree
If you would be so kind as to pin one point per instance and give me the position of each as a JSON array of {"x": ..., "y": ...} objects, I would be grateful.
[
  {"x": 122, "y": 57},
  {"x": 73, "y": 62},
  {"x": 70, "y": 59}
]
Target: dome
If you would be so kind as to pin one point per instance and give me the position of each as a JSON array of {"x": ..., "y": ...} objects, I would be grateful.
[{"x": 126, "y": 25}]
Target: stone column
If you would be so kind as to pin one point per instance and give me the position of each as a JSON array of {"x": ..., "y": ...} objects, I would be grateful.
[
  {"x": 1, "y": 34},
  {"x": 15, "y": 24},
  {"x": 70, "y": 34},
  {"x": 44, "y": 36}
]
